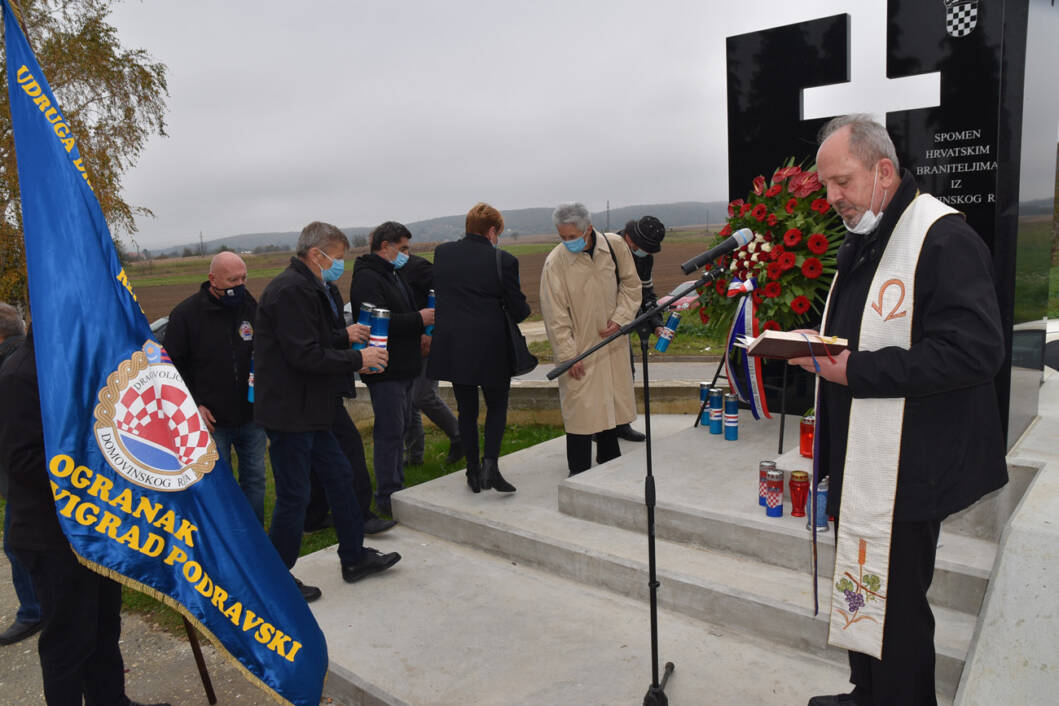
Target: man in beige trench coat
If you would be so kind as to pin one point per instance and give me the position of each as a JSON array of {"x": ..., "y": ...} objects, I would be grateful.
[{"x": 590, "y": 289}]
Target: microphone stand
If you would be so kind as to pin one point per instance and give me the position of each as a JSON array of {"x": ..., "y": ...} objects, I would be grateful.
[{"x": 656, "y": 695}]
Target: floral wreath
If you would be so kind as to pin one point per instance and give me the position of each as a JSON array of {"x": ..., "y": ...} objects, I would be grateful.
[{"x": 788, "y": 267}]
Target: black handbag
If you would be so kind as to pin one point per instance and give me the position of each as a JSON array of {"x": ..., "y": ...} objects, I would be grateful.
[{"x": 522, "y": 361}]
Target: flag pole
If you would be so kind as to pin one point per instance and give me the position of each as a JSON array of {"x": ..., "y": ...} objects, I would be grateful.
[{"x": 204, "y": 674}]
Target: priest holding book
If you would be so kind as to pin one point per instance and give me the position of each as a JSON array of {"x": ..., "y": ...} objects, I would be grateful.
[{"x": 908, "y": 422}]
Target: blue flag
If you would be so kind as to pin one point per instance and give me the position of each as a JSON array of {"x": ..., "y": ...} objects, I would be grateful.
[{"x": 140, "y": 491}]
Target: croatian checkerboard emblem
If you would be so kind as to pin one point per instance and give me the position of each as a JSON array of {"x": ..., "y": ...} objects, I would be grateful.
[
  {"x": 148, "y": 425},
  {"x": 961, "y": 16}
]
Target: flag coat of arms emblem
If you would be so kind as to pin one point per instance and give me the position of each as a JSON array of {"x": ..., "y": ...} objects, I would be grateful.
[{"x": 140, "y": 492}]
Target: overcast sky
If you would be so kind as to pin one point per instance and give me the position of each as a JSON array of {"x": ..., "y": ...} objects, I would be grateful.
[{"x": 357, "y": 112}]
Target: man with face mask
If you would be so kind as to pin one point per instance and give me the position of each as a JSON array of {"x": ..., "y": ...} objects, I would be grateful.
[
  {"x": 210, "y": 337},
  {"x": 375, "y": 280},
  {"x": 908, "y": 423}
]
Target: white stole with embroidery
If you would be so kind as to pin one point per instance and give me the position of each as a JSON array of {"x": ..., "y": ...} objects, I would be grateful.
[{"x": 869, "y": 485}]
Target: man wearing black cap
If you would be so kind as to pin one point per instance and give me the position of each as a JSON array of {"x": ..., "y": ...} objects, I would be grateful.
[{"x": 644, "y": 238}]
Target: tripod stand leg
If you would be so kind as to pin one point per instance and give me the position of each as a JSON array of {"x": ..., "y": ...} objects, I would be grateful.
[{"x": 207, "y": 683}]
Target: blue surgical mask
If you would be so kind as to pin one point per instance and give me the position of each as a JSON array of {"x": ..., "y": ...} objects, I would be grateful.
[
  {"x": 576, "y": 245},
  {"x": 336, "y": 269},
  {"x": 640, "y": 253},
  {"x": 400, "y": 260}
]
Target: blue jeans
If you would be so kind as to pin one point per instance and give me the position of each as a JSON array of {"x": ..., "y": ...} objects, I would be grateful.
[
  {"x": 249, "y": 441},
  {"x": 391, "y": 401},
  {"x": 293, "y": 455},
  {"x": 28, "y": 605}
]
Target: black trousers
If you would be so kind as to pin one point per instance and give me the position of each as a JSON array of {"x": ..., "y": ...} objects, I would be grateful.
[
  {"x": 579, "y": 449},
  {"x": 81, "y": 615},
  {"x": 905, "y": 674},
  {"x": 352, "y": 446},
  {"x": 495, "y": 417}
]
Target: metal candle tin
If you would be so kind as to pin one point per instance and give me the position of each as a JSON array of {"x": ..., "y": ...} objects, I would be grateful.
[
  {"x": 668, "y": 332},
  {"x": 431, "y": 301},
  {"x": 731, "y": 417},
  {"x": 774, "y": 493},
  {"x": 364, "y": 319},
  {"x": 704, "y": 398},
  {"x": 380, "y": 330},
  {"x": 716, "y": 410},
  {"x": 799, "y": 485},
  {"x": 762, "y": 480},
  {"x": 821, "y": 507}
]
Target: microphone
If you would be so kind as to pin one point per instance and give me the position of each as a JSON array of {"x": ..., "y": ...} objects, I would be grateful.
[{"x": 740, "y": 238}]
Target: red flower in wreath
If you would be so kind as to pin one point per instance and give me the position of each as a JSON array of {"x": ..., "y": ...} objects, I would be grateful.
[
  {"x": 759, "y": 211},
  {"x": 727, "y": 230},
  {"x": 759, "y": 185},
  {"x": 790, "y": 206},
  {"x": 774, "y": 272},
  {"x": 820, "y": 205},
  {"x": 703, "y": 316},
  {"x": 744, "y": 209},
  {"x": 812, "y": 268},
  {"x": 818, "y": 243},
  {"x": 800, "y": 305},
  {"x": 734, "y": 206},
  {"x": 773, "y": 289},
  {"x": 772, "y": 219},
  {"x": 801, "y": 185},
  {"x": 721, "y": 286},
  {"x": 786, "y": 261},
  {"x": 770, "y": 325},
  {"x": 756, "y": 296},
  {"x": 773, "y": 190},
  {"x": 792, "y": 237},
  {"x": 784, "y": 172},
  {"x": 776, "y": 251}
]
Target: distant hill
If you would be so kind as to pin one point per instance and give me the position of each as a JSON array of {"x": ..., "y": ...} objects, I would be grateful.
[{"x": 525, "y": 221}]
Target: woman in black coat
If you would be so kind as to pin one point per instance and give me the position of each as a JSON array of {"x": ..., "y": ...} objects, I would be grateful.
[{"x": 471, "y": 346}]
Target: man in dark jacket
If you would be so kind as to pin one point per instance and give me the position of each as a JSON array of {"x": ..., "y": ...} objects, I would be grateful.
[
  {"x": 210, "y": 337},
  {"x": 418, "y": 274},
  {"x": 944, "y": 432},
  {"x": 375, "y": 280},
  {"x": 27, "y": 619},
  {"x": 302, "y": 362},
  {"x": 80, "y": 658}
]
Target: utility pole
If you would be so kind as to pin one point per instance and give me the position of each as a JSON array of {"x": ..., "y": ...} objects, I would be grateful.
[
  {"x": 202, "y": 245},
  {"x": 608, "y": 216}
]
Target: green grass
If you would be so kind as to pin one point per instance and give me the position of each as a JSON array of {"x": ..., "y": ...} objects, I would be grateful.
[
  {"x": 691, "y": 339},
  {"x": 516, "y": 437}
]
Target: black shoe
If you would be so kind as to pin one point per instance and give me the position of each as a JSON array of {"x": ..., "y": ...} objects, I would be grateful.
[
  {"x": 474, "y": 476},
  {"x": 18, "y": 631},
  {"x": 455, "y": 451},
  {"x": 836, "y": 700},
  {"x": 130, "y": 702},
  {"x": 491, "y": 470},
  {"x": 625, "y": 431},
  {"x": 315, "y": 525},
  {"x": 309, "y": 593},
  {"x": 377, "y": 525},
  {"x": 384, "y": 507},
  {"x": 372, "y": 561}
]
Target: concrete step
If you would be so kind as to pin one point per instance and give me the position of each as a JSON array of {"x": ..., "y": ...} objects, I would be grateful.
[
  {"x": 713, "y": 505},
  {"x": 451, "y": 625},
  {"x": 744, "y": 594}
]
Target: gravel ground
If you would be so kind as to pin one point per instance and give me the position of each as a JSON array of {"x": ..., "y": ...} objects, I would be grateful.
[{"x": 158, "y": 666}]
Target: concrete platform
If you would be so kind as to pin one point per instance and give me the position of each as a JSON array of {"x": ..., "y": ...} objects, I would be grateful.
[
  {"x": 744, "y": 593},
  {"x": 451, "y": 625}
]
